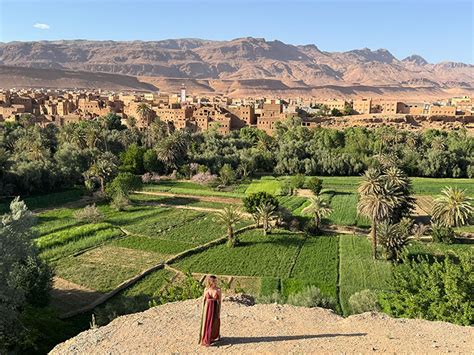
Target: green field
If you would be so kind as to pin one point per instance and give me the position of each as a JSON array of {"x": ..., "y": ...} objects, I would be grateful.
[
  {"x": 48, "y": 200},
  {"x": 357, "y": 270},
  {"x": 256, "y": 255},
  {"x": 102, "y": 255}
]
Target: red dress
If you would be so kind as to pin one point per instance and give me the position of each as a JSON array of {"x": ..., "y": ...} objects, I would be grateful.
[{"x": 210, "y": 321}]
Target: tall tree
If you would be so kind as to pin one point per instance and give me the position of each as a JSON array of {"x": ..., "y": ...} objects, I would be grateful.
[{"x": 376, "y": 202}]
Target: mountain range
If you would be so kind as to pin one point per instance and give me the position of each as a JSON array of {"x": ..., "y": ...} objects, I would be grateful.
[{"x": 241, "y": 66}]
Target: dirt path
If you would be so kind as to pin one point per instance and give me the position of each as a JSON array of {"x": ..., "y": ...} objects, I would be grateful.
[
  {"x": 232, "y": 200},
  {"x": 174, "y": 328},
  {"x": 184, "y": 207}
]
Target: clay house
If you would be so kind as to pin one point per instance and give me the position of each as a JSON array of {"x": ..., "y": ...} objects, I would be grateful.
[
  {"x": 362, "y": 106},
  {"x": 436, "y": 110}
]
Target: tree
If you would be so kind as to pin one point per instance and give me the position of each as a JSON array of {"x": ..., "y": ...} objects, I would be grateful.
[
  {"x": 315, "y": 185},
  {"x": 336, "y": 112},
  {"x": 266, "y": 213},
  {"x": 319, "y": 208},
  {"x": 401, "y": 185},
  {"x": 103, "y": 169},
  {"x": 132, "y": 159},
  {"x": 376, "y": 202},
  {"x": 229, "y": 217},
  {"x": 227, "y": 175},
  {"x": 172, "y": 150},
  {"x": 151, "y": 163},
  {"x": 144, "y": 111},
  {"x": 257, "y": 199},
  {"x": 393, "y": 238},
  {"x": 25, "y": 280},
  {"x": 453, "y": 208},
  {"x": 437, "y": 291},
  {"x": 297, "y": 181},
  {"x": 124, "y": 183}
]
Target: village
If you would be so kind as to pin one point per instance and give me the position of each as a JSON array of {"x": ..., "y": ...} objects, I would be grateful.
[{"x": 200, "y": 113}]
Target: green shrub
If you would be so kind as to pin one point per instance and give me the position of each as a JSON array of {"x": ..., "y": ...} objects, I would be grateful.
[
  {"x": 364, "y": 301},
  {"x": 187, "y": 289},
  {"x": 227, "y": 175},
  {"x": 311, "y": 297},
  {"x": 269, "y": 285},
  {"x": 442, "y": 234},
  {"x": 258, "y": 199},
  {"x": 120, "y": 201},
  {"x": 89, "y": 214},
  {"x": 286, "y": 188},
  {"x": 275, "y": 297},
  {"x": 297, "y": 181},
  {"x": 315, "y": 185},
  {"x": 440, "y": 291}
]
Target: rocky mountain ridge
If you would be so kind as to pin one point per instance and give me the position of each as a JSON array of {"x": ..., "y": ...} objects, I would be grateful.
[{"x": 238, "y": 59}]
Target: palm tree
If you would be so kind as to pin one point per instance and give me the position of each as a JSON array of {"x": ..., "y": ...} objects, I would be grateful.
[
  {"x": 319, "y": 208},
  {"x": 172, "y": 149},
  {"x": 229, "y": 216},
  {"x": 144, "y": 111},
  {"x": 102, "y": 169},
  {"x": 371, "y": 182},
  {"x": 266, "y": 213},
  {"x": 453, "y": 208},
  {"x": 377, "y": 205}
]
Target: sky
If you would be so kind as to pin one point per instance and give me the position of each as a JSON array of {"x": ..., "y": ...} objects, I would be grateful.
[{"x": 440, "y": 30}]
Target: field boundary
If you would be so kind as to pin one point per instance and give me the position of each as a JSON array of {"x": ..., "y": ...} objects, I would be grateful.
[{"x": 127, "y": 283}]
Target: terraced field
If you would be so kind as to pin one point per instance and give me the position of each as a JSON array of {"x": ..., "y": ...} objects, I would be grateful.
[{"x": 100, "y": 256}]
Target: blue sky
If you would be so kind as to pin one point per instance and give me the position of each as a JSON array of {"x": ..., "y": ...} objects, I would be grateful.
[{"x": 438, "y": 30}]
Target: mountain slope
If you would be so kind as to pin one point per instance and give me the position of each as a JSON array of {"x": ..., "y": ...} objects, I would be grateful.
[
  {"x": 268, "y": 329},
  {"x": 19, "y": 77},
  {"x": 238, "y": 59}
]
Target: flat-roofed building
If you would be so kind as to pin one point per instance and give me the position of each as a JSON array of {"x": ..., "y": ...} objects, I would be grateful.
[
  {"x": 362, "y": 106},
  {"x": 442, "y": 110}
]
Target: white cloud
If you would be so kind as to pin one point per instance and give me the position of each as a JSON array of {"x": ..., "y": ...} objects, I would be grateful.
[{"x": 41, "y": 26}]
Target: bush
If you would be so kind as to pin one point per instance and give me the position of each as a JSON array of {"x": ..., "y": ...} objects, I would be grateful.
[
  {"x": 123, "y": 184},
  {"x": 310, "y": 297},
  {"x": 227, "y": 175},
  {"x": 286, "y": 188},
  {"x": 89, "y": 214},
  {"x": 205, "y": 178},
  {"x": 438, "y": 291},
  {"x": 442, "y": 234},
  {"x": 258, "y": 199},
  {"x": 315, "y": 185},
  {"x": 275, "y": 297},
  {"x": 297, "y": 181},
  {"x": 364, "y": 301},
  {"x": 187, "y": 289},
  {"x": 120, "y": 201}
]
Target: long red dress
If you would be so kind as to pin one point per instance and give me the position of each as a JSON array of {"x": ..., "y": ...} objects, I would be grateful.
[{"x": 210, "y": 321}]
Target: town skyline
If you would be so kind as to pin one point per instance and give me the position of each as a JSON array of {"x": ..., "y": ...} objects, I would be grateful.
[{"x": 353, "y": 26}]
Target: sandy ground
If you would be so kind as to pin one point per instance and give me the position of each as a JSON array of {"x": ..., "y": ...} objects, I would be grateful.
[{"x": 264, "y": 329}]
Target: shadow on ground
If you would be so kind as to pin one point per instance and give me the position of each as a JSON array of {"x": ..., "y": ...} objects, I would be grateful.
[{"x": 269, "y": 339}]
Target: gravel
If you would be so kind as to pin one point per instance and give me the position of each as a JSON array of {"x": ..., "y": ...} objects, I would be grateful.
[{"x": 271, "y": 328}]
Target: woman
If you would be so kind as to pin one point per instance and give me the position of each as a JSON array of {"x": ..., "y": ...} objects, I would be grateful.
[{"x": 210, "y": 321}]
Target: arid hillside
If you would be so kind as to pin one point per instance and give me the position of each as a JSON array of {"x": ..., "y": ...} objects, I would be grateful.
[
  {"x": 247, "y": 66},
  {"x": 17, "y": 77},
  {"x": 174, "y": 328}
]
